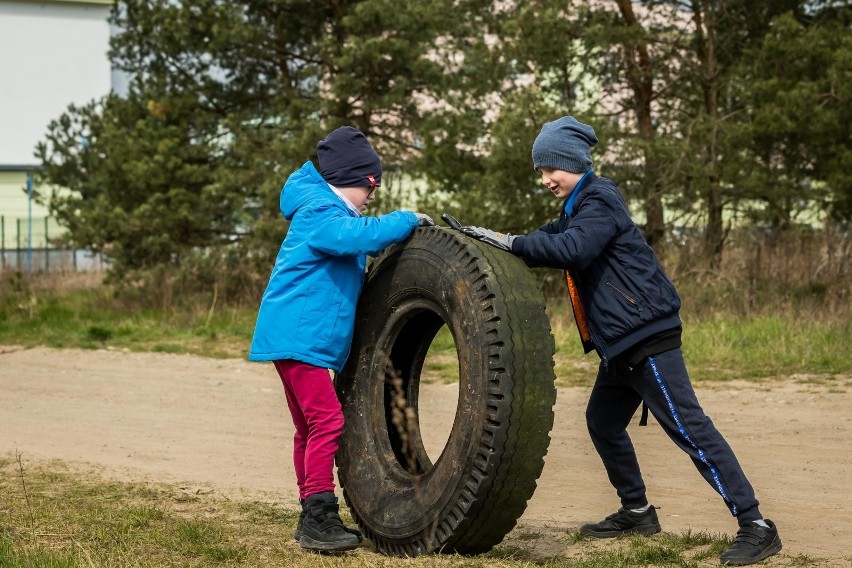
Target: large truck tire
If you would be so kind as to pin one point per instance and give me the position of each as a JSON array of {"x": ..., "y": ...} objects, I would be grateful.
[{"x": 474, "y": 493}]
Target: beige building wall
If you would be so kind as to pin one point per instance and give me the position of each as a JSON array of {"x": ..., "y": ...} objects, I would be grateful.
[{"x": 14, "y": 214}]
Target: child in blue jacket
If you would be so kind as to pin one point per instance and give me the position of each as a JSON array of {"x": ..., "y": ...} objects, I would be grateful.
[
  {"x": 626, "y": 309},
  {"x": 307, "y": 314}
]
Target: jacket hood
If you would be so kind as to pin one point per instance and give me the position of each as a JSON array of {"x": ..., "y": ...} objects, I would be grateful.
[{"x": 303, "y": 185}]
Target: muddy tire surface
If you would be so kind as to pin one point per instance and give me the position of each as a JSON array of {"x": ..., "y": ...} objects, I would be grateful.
[{"x": 472, "y": 495}]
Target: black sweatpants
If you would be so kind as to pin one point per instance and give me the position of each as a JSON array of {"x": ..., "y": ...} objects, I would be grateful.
[{"x": 662, "y": 382}]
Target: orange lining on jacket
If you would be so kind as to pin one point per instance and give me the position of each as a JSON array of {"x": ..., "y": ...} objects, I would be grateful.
[{"x": 579, "y": 312}]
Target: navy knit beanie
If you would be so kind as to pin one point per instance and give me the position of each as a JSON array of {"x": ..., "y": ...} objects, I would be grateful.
[
  {"x": 564, "y": 144},
  {"x": 346, "y": 159}
]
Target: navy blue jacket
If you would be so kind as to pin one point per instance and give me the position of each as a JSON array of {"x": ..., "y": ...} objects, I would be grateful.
[{"x": 626, "y": 295}]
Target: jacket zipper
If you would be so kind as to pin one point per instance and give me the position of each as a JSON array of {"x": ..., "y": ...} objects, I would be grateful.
[
  {"x": 596, "y": 341},
  {"x": 628, "y": 298},
  {"x": 622, "y": 294}
]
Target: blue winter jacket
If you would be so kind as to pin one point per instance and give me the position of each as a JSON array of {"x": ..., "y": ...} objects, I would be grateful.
[
  {"x": 308, "y": 309},
  {"x": 624, "y": 291}
]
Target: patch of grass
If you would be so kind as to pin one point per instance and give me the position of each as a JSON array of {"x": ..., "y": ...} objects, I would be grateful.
[
  {"x": 269, "y": 513},
  {"x": 167, "y": 348},
  {"x": 665, "y": 549},
  {"x": 511, "y": 552},
  {"x": 717, "y": 346},
  {"x": 53, "y": 516},
  {"x": 724, "y": 347},
  {"x": 205, "y": 539},
  {"x": 442, "y": 362},
  {"x": 93, "y": 318},
  {"x": 10, "y": 557},
  {"x": 806, "y": 560},
  {"x": 528, "y": 535},
  {"x": 57, "y": 517},
  {"x": 767, "y": 345}
]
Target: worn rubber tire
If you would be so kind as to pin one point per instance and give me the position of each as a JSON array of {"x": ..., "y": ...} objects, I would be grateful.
[{"x": 477, "y": 489}]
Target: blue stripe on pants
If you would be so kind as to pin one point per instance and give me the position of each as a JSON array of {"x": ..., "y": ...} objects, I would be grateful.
[{"x": 685, "y": 435}]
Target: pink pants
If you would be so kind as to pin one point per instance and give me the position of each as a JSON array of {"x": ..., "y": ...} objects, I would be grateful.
[{"x": 318, "y": 418}]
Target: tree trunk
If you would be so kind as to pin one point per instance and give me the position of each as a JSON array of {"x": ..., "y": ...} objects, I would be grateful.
[
  {"x": 640, "y": 77},
  {"x": 705, "y": 38}
]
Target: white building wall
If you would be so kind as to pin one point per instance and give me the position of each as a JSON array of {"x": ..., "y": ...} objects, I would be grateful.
[{"x": 52, "y": 54}]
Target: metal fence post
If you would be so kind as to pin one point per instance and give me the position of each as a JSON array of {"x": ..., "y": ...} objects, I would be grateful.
[
  {"x": 30, "y": 224},
  {"x": 46, "y": 248},
  {"x": 18, "y": 248}
]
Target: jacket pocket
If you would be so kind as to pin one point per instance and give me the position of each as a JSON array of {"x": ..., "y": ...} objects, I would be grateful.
[
  {"x": 634, "y": 307},
  {"x": 316, "y": 326}
]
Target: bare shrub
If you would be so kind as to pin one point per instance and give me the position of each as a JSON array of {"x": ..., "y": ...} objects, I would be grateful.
[{"x": 798, "y": 270}]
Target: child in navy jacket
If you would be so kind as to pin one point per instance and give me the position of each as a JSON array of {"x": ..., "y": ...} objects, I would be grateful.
[{"x": 626, "y": 309}]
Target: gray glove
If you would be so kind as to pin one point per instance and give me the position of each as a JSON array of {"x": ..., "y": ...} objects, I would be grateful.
[
  {"x": 424, "y": 220},
  {"x": 500, "y": 240}
]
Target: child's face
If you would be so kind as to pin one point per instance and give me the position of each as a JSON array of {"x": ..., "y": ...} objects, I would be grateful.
[
  {"x": 559, "y": 182},
  {"x": 360, "y": 197}
]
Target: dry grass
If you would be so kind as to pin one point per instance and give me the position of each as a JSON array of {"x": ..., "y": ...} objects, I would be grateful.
[{"x": 57, "y": 516}]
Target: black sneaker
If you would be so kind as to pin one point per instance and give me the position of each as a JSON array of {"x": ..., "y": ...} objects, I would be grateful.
[
  {"x": 355, "y": 532},
  {"x": 624, "y": 522},
  {"x": 753, "y": 543},
  {"x": 322, "y": 529},
  {"x": 297, "y": 536}
]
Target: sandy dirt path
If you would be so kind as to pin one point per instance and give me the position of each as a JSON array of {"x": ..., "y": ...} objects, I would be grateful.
[{"x": 223, "y": 424}]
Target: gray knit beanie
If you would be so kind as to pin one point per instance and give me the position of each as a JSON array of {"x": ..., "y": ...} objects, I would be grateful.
[{"x": 564, "y": 144}]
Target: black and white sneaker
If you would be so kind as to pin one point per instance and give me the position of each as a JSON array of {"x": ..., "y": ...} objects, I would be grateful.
[
  {"x": 753, "y": 543},
  {"x": 624, "y": 522}
]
